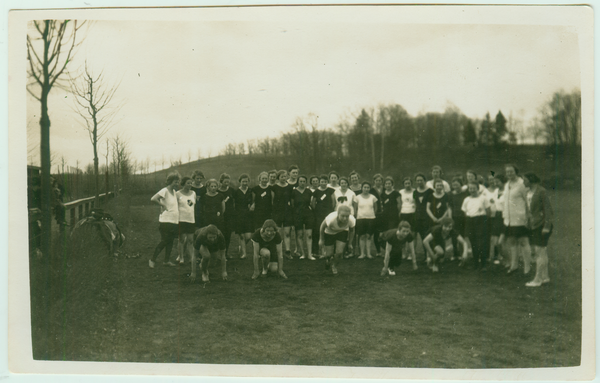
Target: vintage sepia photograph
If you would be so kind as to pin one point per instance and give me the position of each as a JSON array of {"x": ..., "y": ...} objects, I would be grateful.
[{"x": 395, "y": 191}]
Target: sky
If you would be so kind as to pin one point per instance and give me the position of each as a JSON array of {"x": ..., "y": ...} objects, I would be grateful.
[{"x": 194, "y": 86}]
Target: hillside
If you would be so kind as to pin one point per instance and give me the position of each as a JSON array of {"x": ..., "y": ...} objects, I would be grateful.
[{"x": 557, "y": 168}]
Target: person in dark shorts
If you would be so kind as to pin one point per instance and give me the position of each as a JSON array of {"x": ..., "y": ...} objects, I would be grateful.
[
  {"x": 365, "y": 206},
  {"x": 262, "y": 201},
  {"x": 186, "y": 201},
  {"x": 376, "y": 190},
  {"x": 213, "y": 205},
  {"x": 168, "y": 219},
  {"x": 477, "y": 209},
  {"x": 421, "y": 197},
  {"x": 282, "y": 212},
  {"x": 337, "y": 230},
  {"x": 540, "y": 220},
  {"x": 515, "y": 219},
  {"x": 438, "y": 205},
  {"x": 243, "y": 215},
  {"x": 200, "y": 190},
  {"x": 497, "y": 228},
  {"x": 395, "y": 241},
  {"x": 229, "y": 216},
  {"x": 267, "y": 246},
  {"x": 322, "y": 206},
  {"x": 391, "y": 203},
  {"x": 209, "y": 242},
  {"x": 303, "y": 217},
  {"x": 440, "y": 239}
]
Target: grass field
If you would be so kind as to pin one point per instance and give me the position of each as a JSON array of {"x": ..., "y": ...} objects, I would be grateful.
[{"x": 104, "y": 310}]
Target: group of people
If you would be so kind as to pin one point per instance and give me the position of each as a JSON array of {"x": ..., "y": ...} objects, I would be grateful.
[{"x": 497, "y": 219}]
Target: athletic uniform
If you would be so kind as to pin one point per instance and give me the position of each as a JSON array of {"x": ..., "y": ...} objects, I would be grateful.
[
  {"x": 303, "y": 214},
  {"x": 262, "y": 205},
  {"x": 323, "y": 206},
  {"x": 439, "y": 206},
  {"x": 439, "y": 240},
  {"x": 421, "y": 217},
  {"x": 334, "y": 232},
  {"x": 282, "y": 211},
  {"x": 365, "y": 216},
  {"x": 456, "y": 201},
  {"x": 390, "y": 216},
  {"x": 476, "y": 226},
  {"x": 211, "y": 206},
  {"x": 201, "y": 240},
  {"x": 497, "y": 222},
  {"x": 168, "y": 223},
  {"x": 243, "y": 215},
  {"x": 186, "y": 205},
  {"x": 344, "y": 199},
  {"x": 270, "y": 245},
  {"x": 390, "y": 237},
  {"x": 229, "y": 216},
  {"x": 200, "y": 192},
  {"x": 409, "y": 207}
]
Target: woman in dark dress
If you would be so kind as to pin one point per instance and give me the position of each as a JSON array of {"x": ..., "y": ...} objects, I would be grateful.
[
  {"x": 229, "y": 216},
  {"x": 200, "y": 190},
  {"x": 303, "y": 217},
  {"x": 322, "y": 204},
  {"x": 421, "y": 196},
  {"x": 213, "y": 205},
  {"x": 282, "y": 212},
  {"x": 262, "y": 201},
  {"x": 243, "y": 216}
]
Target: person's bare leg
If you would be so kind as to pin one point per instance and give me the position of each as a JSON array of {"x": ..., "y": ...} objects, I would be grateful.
[
  {"x": 300, "y": 243},
  {"x": 309, "y": 241}
]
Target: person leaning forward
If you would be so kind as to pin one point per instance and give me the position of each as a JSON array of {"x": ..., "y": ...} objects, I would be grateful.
[{"x": 208, "y": 241}]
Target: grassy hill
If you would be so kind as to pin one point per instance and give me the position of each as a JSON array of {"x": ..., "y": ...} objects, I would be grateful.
[{"x": 557, "y": 167}]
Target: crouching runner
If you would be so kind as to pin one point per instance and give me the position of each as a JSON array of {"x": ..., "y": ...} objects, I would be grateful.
[
  {"x": 267, "y": 250},
  {"x": 395, "y": 241},
  {"x": 336, "y": 230},
  {"x": 441, "y": 238},
  {"x": 208, "y": 241}
]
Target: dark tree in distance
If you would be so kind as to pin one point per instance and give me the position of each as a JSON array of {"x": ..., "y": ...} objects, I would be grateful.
[
  {"x": 499, "y": 129},
  {"x": 561, "y": 119},
  {"x": 469, "y": 134},
  {"x": 486, "y": 134},
  {"x": 93, "y": 102}
]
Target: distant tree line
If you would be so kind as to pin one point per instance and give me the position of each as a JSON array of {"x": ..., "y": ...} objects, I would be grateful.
[{"x": 375, "y": 134}]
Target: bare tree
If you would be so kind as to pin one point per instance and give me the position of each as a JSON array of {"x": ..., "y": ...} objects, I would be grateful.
[
  {"x": 93, "y": 102},
  {"x": 120, "y": 159},
  {"x": 50, "y": 47}
]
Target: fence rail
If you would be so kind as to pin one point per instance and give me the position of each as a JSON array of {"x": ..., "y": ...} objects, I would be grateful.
[{"x": 76, "y": 210}]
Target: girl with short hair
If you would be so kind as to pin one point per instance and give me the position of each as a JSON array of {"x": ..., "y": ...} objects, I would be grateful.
[
  {"x": 365, "y": 206},
  {"x": 168, "y": 220},
  {"x": 262, "y": 201}
]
